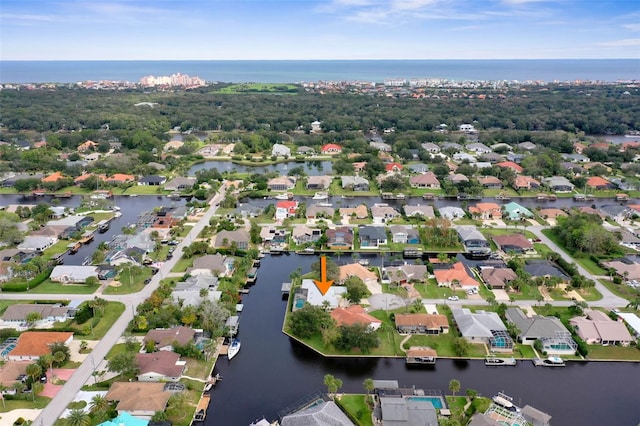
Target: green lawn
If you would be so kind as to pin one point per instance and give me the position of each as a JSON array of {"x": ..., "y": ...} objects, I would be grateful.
[
  {"x": 112, "y": 312},
  {"x": 49, "y": 287},
  {"x": 5, "y": 303},
  {"x": 621, "y": 290},
  {"x": 182, "y": 265},
  {"x": 129, "y": 284},
  {"x": 443, "y": 344},
  {"x": 356, "y": 407},
  {"x": 523, "y": 351},
  {"x": 432, "y": 291},
  {"x": 10, "y": 405},
  {"x": 143, "y": 190},
  {"x": 491, "y": 232},
  {"x": 527, "y": 292},
  {"x": 631, "y": 353},
  {"x": 57, "y": 248}
]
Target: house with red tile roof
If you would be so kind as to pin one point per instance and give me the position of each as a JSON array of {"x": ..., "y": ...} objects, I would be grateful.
[
  {"x": 32, "y": 345},
  {"x": 85, "y": 146},
  {"x": 600, "y": 145},
  {"x": 53, "y": 177},
  {"x": 421, "y": 323},
  {"x": 355, "y": 314},
  {"x": 359, "y": 166},
  {"x": 456, "y": 276},
  {"x": 393, "y": 167},
  {"x": 525, "y": 182},
  {"x": 331, "y": 149},
  {"x": 285, "y": 209},
  {"x": 120, "y": 178},
  {"x": 486, "y": 211},
  {"x": 40, "y": 144},
  {"x": 629, "y": 145},
  {"x": 511, "y": 165},
  {"x": 596, "y": 182}
]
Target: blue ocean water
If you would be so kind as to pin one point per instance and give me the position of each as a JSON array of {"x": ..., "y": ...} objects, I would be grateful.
[{"x": 329, "y": 70}]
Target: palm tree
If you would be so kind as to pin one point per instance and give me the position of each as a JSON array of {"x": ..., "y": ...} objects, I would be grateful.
[
  {"x": 34, "y": 371},
  {"x": 454, "y": 386},
  {"x": 99, "y": 403},
  {"x": 32, "y": 318},
  {"x": 78, "y": 417},
  {"x": 368, "y": 385},
  {"x": 58, "y": 358}
]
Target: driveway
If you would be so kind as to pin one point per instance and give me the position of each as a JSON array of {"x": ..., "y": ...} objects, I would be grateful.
[{"x": 386, "y": 302}]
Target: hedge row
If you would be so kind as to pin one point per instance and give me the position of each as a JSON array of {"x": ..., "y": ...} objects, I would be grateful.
[{"x": 27, "y": 285}]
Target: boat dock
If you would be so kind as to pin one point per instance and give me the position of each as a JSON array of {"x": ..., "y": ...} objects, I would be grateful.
[
  {"x": 285, "y": 289},
  {"x": 252, "y": 275},
  {"x": 201, "y": 409},
  {"x": 552, "y": 361},
  {"x": 421, "y": 355}
]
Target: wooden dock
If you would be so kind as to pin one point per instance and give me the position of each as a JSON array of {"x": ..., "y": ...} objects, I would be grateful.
[{"x": 201, "y": 409}]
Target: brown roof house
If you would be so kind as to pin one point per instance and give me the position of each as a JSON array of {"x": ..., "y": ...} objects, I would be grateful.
[
  {"x": 355, "y": 314},
  {"x": 422, "y": 323},
  {"x": 164, "y": 338},
  {"x": 32, "y": 345},
  {"x": 11, "y": 370},
  {"x": 16, "y": 315},
  {"x": 357, "y": 270},
  {"x": 486, "y": 211},
  {"x": 517, "y": 243},
  {"x": 163, "y": 366},
  {"x": 140, "y": 399},
  {"x": 425, "y": 180},
  {"x": 497, "y": 277},
  {"x": 597, "y": 328}
]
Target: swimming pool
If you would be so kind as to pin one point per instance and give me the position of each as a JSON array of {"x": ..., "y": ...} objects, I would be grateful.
[
  {"x": 299, "y": 303},
  {"x": 8, "y": 349},
  {"x": 436, "y": 401}
]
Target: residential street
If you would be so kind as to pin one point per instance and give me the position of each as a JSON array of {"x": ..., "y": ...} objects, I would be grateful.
[{"x": 66, "y": 395}]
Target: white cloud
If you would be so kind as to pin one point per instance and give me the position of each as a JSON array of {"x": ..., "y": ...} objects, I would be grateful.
[
  {"x": 25, "y": 18},
  {"x": 632, "y": 27}
]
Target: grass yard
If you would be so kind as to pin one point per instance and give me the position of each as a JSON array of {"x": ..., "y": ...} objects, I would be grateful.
[
  {"x": 10, "y": 405},
  {"x": 527, "y": 292},
  {"x": 49, "y": 287},
  {"x": 523, "y": 351},
  {"x": 356, "y": 407},
  {"x": 112, "y": 312},
  {"x": 129, "y": 284},
  {"x": 621, "y": 290},
  {"x": 443, "y": 344},
  {"x": 491, "y": 232},
  {"x": 182, "y": 265},
  {"x": 199, "y": 369},
  {"x": 630, "y": 353},
  {"x": 585, "y": 262},
  {"x": 143, "y": 190},
  {"x": 432, "y": 291}
]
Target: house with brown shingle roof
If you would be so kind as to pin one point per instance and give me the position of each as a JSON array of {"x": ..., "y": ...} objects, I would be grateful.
[
  {"x": 425, "y": 180},
  {"x": 16, "y": 315},
  {"x": 140, "y": 399},
  {"x": 360, "y": 212},
  {"x": 355, "y": 314},
  {"x": 513, "y": 243},
  {"x": 11, "y": 370},
  {"x": 32, "y": 345},
  {"x": 85, "y": 146},
  {"x": 163, "y": 366},
  {"x": 497, "y": 277},
  {"x": 421, "y": 323},
  {"x": 551, "y": 213},
  {"x": 340, "y": 238},
  {"x": 164, "y": 338},
  {"x": 511, "y": 165}
]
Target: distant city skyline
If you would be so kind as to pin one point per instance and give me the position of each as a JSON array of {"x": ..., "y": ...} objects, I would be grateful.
[{"x": 312, "y": 29}]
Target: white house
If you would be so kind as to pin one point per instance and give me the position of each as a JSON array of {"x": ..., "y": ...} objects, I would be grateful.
[
  {"x": 280, "y": 150},
  {"x": 467, "y": 128},
  {"x": 73, "y": 274},
  {"x": 37, "y": 244}
]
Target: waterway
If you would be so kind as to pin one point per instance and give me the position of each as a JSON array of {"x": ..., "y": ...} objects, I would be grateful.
[
  {"x": 273, "y": 371},
  {"x": 311, "y": 168}
]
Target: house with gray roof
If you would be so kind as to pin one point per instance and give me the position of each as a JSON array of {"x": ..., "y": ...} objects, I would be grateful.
[
  {"x": 319, "y": 182},
  {"x": 380, "y": 146},
  {"x": 473, "y": 241},
  {"x": 180, "y": 183},
  {"x": 37, "y": 244},
  {"x": 404, "y": 234},
  {"x": 224, "y": 239},
  {"x": 559, "y": 184},
  {"x": 315, "y": 211},
  {"x": 399, "y": 411},
  {"x": 555, "y": 338},
  {"x": 483, "y": 327},
  {"x": 16, "y": 315},
  {"x": 372, "y": 236},
  {"x": 324, "y": 413},
  {"x": 430, "y": 147},
  {"x": 355, "y": 183},
  {"x": 544, "y": 268},
  {"x": 302, "y": 234},
  {"x": 424, "y": 211},
  {"x": 527, "y": 146},
  {"x": 217, "y": 263},
  {"x": 451, "y": 213},
  {"x": 73, "y": 274},
  {"x": 418, "y": 168},
  {"x": 383, "y": 213},
  {"x": 280, "y": 150},
  {"x": 478, "y": 148}
]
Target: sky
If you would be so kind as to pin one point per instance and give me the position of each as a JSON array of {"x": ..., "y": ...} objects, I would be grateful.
[{"x": 318, "y": 29}]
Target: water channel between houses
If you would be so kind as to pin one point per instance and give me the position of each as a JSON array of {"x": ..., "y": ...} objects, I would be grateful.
[{"x": 273, "y": 371}]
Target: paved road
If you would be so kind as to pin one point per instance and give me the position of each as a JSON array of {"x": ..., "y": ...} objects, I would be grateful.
[
  {"x": 66, "y": 395},
  {"x": 609, "y": 300}
]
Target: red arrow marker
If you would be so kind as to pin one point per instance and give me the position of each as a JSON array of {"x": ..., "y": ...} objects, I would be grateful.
[{"x": 323, "y": 285}]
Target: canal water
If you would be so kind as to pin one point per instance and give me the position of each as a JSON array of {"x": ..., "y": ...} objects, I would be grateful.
[
  {"x": 311, "y": 168},
  {"x": 272, "y": 371}
]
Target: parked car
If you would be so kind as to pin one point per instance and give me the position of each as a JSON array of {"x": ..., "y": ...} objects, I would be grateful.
[
  {"x": 147, "y": 281},
  {"x": 454, "y": 298},
  {"x": 173, "y": 243}
]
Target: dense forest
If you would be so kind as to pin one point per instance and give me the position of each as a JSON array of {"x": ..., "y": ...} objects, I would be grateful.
[{"x": 574, "y": 109}]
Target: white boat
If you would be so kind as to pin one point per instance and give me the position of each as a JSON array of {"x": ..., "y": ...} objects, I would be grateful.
[
  {"x": 495, "y": 361},
  {"x": 285, "y": 196},
  {"x": 324, "y": 205},
  {"x": 320, "y": 196},
  {"x": 234, "y": 348},
  {"x": 552, "y": 361}
]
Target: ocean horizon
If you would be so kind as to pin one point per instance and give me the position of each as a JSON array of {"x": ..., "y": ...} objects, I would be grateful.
[{"x": 297, "y": 71}]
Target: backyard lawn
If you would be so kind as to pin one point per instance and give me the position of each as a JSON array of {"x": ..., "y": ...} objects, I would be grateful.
[
  {"x": 356, "y": 406},
  {"x": 49, "y": 287},
  {"x": 630, "y": 353},
  {"x": 443, "y": 344}
]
